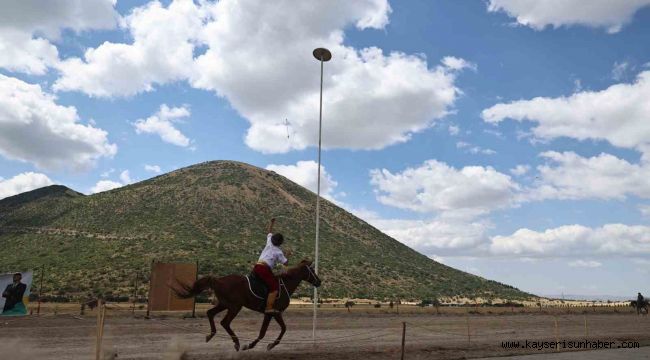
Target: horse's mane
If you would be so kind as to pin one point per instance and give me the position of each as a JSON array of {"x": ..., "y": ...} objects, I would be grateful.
[{"x": 292, "y": 271}]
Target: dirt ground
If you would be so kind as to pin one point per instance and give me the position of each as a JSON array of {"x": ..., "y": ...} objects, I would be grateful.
[{"x": 363, "y": 332}]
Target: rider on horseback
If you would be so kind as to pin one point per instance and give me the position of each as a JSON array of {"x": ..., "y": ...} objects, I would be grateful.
[
  {"x": 640, "y": 300},
  {"x": 271, "y": 255}
]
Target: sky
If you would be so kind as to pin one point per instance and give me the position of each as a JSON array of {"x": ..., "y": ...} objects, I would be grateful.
[{"x": 506, "y": 138}]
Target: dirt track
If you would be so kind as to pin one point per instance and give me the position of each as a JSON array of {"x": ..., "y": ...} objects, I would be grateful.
[{"x": 340, "y": 335}]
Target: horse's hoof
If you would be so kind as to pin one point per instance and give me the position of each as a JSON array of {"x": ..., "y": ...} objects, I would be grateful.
[
  {"x": 209, "y": 336},
  {"x": 246, "y": 347},
  {"x": 236, "y": 347},
  {"x": 271, "y": 346}
]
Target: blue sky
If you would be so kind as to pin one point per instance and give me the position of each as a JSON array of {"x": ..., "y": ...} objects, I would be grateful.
[{"x": 506, "y": 138}]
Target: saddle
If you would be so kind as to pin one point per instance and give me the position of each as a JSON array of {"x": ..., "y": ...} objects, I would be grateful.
[{"x": 258, "y": 288}]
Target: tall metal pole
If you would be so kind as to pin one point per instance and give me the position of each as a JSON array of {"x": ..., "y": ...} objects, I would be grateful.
[{"x": 322, "y": 55}]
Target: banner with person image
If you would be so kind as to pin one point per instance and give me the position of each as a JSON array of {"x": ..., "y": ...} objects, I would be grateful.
[{"x": 15, "y": 293}]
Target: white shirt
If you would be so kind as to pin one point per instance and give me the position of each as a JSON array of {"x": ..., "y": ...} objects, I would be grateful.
[{"x": 271, "y": 253}]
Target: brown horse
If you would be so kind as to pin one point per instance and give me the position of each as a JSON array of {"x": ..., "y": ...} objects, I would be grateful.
[{"x": 233, "y": 292}]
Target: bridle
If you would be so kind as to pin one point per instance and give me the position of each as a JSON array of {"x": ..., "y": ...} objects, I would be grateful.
[{"x": 311, "y": 274}]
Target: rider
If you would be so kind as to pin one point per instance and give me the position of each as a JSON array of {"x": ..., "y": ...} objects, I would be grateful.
[
  {"x": 639, "y": 300},
  {"x": 271, "y": 255}
]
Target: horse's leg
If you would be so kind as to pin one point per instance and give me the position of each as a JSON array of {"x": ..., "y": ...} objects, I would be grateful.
[
  {"x": 211, "y": 314},
  {"x": 265, "y": 326},
  {"x": 232, "y": 312},
  {"x": 283, "y": 328}
]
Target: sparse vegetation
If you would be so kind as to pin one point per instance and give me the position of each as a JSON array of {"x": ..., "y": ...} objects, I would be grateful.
[{"x": 213, "y": 213}]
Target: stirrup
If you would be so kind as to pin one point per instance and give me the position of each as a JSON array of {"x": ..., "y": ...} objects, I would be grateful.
[{"x": 271, "y": 311}]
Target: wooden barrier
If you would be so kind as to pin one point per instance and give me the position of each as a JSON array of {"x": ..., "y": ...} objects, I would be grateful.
[
  {"x": 403, "y": 338},
  {"x": 165, "y": 275},
  {"x": 101, "y": 313},
  {"x": 468, "y": 333},
  {"x": 557, "y": 340}
]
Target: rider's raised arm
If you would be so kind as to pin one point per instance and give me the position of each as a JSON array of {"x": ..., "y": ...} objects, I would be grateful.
[{"x": 270, "y": 229}]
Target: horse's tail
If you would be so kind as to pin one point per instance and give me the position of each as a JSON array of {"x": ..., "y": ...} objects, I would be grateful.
[{"x": 185, "y": 291}]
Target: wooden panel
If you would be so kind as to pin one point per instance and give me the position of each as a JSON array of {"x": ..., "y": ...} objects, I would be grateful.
[
  {"x": 161, "y": 298},
  {"x": 186, "y": 274}
]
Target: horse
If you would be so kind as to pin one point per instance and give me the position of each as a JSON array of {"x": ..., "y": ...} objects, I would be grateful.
[
  {"x": 234, "y": 292},
  {"x": 640, "y": 308}
]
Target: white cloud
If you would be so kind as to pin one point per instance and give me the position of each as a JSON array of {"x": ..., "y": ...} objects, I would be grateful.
[
  {"x": 577, "y": 85},
  {"x": 570, "y": 176},
  {"x": 152, "y": 168},
  {"x": 440, "y": 235},
  {"x": 33, "y": 128},
  {"x": 585, "y": 263},
  {"x": 161, "y": 52},
  {"x": 496, "y": 133},
  {"x": 473, "y": 149},
  {"x": 453, "y": 130},
  {"x": 371, "y": 99},
  {"x": 448, "y": 234},
  {"x": 162, "y": 124},
  {"x": 645, "y": 210},
  {"x": 619, "y": 71},
  {"x": 107, "y": 173},
  {"x": 399, "y": 94},
  {"x": 539, "y": 14},
  {"x": 23, "y": 182},
  {"x": 520, "y": 170},
  {"x": 437, "y": 187},
  {"x": 125, "y": 177},
  {"x": 50, "y": 17},
  {"x": 305, "y": 173},
  {"x": 575, "y": 240},
  {"x": 619, "y": 114},
  {"x": 461, "y": 197},
  {"x": 455, "y": 63},
  {"x": 105, "y": 185},
  {"x": 27, "y": 26},
  {"x": 21, "y": 53}
]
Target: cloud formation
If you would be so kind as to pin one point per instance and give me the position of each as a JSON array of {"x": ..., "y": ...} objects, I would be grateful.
[
  {"x": 35, "y": 129},
  {"x": 585, "y": 263},
  {"x": 399, "y": 94},
  {"x": 455, "y": 202},
  {"x": 152, "y": 168},
  {"x": 23, "y": 182},
  {"x": 474, "y": 149},
  {"x": 437, "y": 236},
  {"x": 162, "y": 124},
  {"x": 575, "y": 240},
  {"x": 105, "y": 185},
  {"x": 538, "y": 14},
  {"x": 619, "y": 114},
  {"x": 161, "y": 52},
  {"x": 437, "y": 187},
  {"x": 520, "y": 170},
  {"x": 27, "y": 28},
  {"x": 305, "y": 173},
  {"x": 571, "y": 176}
]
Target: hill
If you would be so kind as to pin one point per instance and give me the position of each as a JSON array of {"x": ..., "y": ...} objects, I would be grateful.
[{"x": 214, "y": 213}]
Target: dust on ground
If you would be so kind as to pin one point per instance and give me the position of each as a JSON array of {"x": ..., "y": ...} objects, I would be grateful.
[{"x": 340, "y": 334}]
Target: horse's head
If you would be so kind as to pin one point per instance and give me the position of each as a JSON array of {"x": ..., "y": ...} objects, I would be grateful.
[{"x": 308, "y": 273}]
